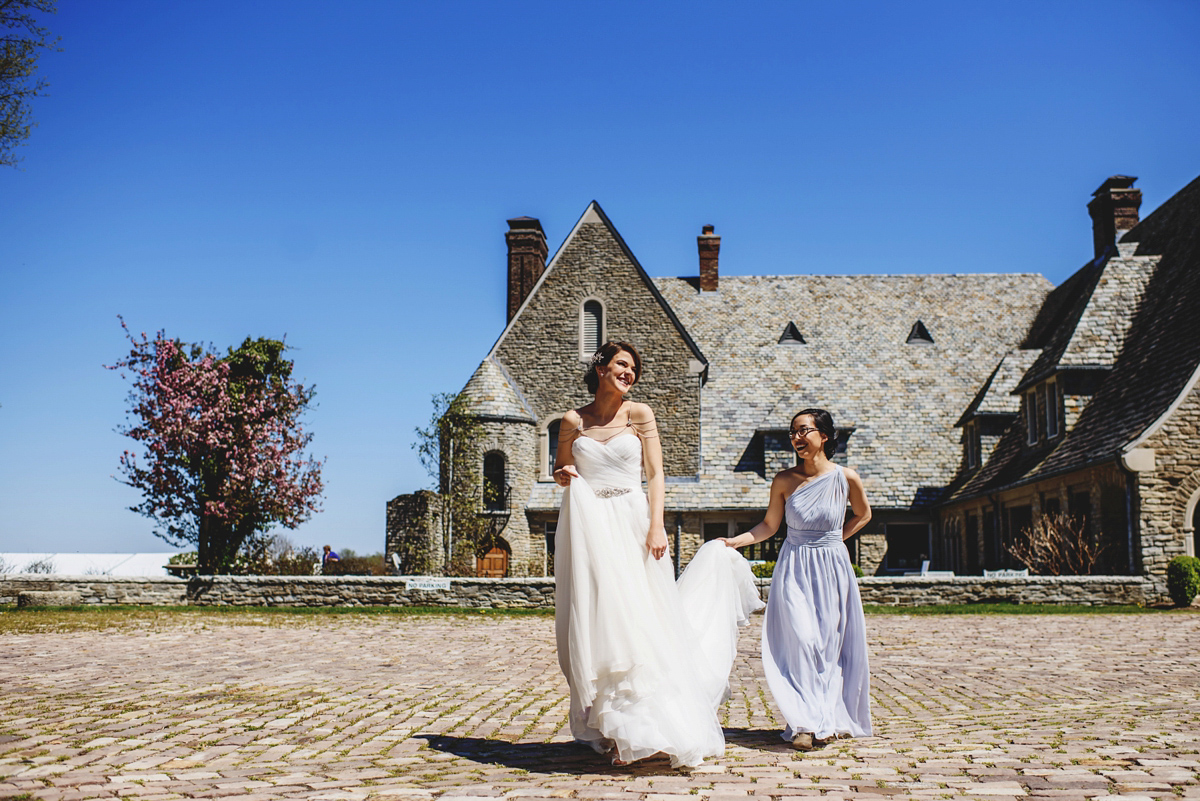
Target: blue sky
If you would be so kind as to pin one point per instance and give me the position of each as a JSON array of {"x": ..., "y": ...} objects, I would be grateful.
[{"x": 340, "y": 173}]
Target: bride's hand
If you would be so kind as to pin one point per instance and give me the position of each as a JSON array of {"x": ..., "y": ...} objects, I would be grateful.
[
  {"x": 564, "y": 474},
  {"x": 656, "y": 541}
]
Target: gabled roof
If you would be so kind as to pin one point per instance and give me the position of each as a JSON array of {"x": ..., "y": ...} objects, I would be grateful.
[
  {"x": 1157, "y": 349},
  {"x": 594, "y": 214},
  {"x": 494, "y": 395},
  {"x": 996, "y": 395}
]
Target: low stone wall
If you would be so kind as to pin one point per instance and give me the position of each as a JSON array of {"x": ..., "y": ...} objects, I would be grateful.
[
  {"x": 1066, "y": 590},
  {"x": 156, "y": 591},
  {"x": 531, "y": 593}
]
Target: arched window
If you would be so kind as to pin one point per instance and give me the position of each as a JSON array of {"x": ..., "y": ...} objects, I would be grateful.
[
  {"x": 494, "y": 481},
  {"x": 591, "y": 328},
  {"x": 552, "y": 449}
]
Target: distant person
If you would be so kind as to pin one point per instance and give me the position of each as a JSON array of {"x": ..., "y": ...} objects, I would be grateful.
[{"x": 329, "y": 560}]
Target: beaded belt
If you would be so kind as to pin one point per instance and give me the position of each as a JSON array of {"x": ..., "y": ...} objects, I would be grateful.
[{"x": 612, "y": 492}]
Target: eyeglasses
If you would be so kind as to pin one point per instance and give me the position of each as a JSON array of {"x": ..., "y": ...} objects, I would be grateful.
[{"x": 802, "y": 432}]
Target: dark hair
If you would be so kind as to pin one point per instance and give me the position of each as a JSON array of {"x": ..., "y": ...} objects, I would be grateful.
[
  {"x": 605, "y": 355},
  {"x": 823, "y": 421}
]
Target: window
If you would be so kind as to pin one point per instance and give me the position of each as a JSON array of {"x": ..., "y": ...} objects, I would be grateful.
[
  {"x": 494, "y": 489},
  {"x": 791, "y": 335},
  {"x": 591, "y": 329},
  {"x": 919, "y": 335},
  {"x": 1043, "y": 409},
  {"x": 552, "y": 449},
  {"x": 973, "y": 444},
  {"x": 1031, "y": 418},
  {"x": 1053, "y": 408},
  {"x": 908, "y": 545}
]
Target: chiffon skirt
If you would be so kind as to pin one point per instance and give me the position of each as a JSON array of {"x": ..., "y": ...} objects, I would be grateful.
[
  {"x": 647, "y": 660},
  {"x": 814, "y": 641}
]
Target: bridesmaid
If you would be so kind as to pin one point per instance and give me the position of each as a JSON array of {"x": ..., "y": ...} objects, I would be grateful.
[{"x": 814, "y": 644}]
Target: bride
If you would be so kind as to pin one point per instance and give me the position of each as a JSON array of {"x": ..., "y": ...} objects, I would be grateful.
[{"x": 647, "y": 659}]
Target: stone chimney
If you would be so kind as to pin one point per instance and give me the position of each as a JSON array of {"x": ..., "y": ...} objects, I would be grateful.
[
  {"x": 1114, "y": 209},
  {"x": 709, "y": 245},
  {"x": 526, "y": 259}
]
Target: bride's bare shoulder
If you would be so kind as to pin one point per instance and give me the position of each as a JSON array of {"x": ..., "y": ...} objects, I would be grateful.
[
  {"x": 571, "y": 420},
  {"x": 640, "y": 413}
]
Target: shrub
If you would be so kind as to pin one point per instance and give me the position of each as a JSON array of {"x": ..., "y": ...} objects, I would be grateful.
[
  {"x": 1057, "y": 545},
  {"x": 858, "y": 571},
  {"x": 764, "y": 570},
  {"x": 1183, "y": 579}
]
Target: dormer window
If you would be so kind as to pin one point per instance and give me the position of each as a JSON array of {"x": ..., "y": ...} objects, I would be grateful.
[
  {"x": 591, "y": 328},
  {"x": 791, "y": 335},
  {"x": 919, "y": 335}
]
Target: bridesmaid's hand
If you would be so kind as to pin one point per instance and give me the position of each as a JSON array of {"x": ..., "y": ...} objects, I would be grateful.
[
  {"x": 656, "y": 541},
  {"x": 740, "y": 541},
  {"x": 564, "y": 474}
]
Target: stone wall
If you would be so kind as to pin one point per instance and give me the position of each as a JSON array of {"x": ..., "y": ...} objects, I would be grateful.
[
  {"x": 542, "y": 351},
  {"x": 1164, "y": 492},
  {"x": 536, "y": 593}
]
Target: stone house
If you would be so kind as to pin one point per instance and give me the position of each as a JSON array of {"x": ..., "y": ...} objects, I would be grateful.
[
  {"x": 1097, "y": 414},
  {"x": 919, "y": 372}
]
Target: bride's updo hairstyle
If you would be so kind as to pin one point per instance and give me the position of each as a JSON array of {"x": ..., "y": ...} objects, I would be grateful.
[
  {"x": 602, "y": 357},
  {"x": 823, "y": 421}
]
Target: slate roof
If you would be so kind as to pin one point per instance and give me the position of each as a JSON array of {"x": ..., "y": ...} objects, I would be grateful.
[
  {"x": 996, "y": 395},
  {"x": 494, "y": 395},
  {"x": 1139, "y": 320},
  {"x": 902, "y": 399}
]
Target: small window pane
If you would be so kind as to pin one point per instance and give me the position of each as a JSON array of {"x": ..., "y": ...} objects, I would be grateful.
[
  {"x": 1053, "y": 404},
  {"x": 1031, "y": 432}
]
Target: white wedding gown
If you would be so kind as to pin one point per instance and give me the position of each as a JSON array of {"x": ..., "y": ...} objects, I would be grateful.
[{"x": 647, "y": 659}]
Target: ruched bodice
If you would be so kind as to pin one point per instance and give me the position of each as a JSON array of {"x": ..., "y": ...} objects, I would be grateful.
[
  {"x": 616, "y": 463},
  {"x": 816, "y": 511}
]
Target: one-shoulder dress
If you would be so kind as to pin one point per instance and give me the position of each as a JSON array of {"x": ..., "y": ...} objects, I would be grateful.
[
  {"x": 814, "y": 644},
  {"x": 647, "y": 659}
]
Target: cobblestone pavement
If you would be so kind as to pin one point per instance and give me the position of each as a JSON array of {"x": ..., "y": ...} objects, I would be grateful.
[{"x": 1062, "y": 707}]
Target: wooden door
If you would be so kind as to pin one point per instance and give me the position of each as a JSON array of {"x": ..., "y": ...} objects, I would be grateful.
[{"x": 493, "y": 564}]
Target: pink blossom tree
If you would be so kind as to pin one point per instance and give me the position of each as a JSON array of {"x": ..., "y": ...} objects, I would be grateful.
[{"x": 223, "y": 448}]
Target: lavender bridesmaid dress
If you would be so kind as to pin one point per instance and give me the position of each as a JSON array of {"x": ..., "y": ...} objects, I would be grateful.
[{"x": 814, "y": 644}]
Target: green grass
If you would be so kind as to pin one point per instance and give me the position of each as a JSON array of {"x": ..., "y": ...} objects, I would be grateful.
[
  {"x": 76, "y": 618},
  {"x": 1015, "y": 609}
]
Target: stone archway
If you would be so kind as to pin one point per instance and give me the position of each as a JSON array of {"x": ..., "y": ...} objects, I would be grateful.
[{"x": 1188, "y": 511}]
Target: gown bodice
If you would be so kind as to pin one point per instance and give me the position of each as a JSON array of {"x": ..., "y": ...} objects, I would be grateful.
[
  {"x": 816, "y": 511},
  {"x": 611, "y": 464}
]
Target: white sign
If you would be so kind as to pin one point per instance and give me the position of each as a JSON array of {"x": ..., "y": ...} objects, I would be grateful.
[
  {"x": 426, "y": 583},
  {"x": 1006, "y": 573}
]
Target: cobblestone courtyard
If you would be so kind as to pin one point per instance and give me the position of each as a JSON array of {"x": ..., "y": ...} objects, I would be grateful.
[{"x": 356, "y": 706}]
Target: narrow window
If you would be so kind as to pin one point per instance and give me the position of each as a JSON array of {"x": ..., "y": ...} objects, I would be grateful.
[
  {"x": 972, "y": 444},
  {"x": 1043, "y": 409},
  {"x": 494, "y": 482},
  {"x": 1053, "y": 407},
  {"x": 552, "y": 450},
  {"x": 592, "y": 329},
  {"x": 1031, "y": 418}
]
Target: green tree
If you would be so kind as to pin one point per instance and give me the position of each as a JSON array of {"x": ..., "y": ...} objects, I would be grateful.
[
  {"x": 449, "y": 450},
  {"x": 21, "y": 40}
]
